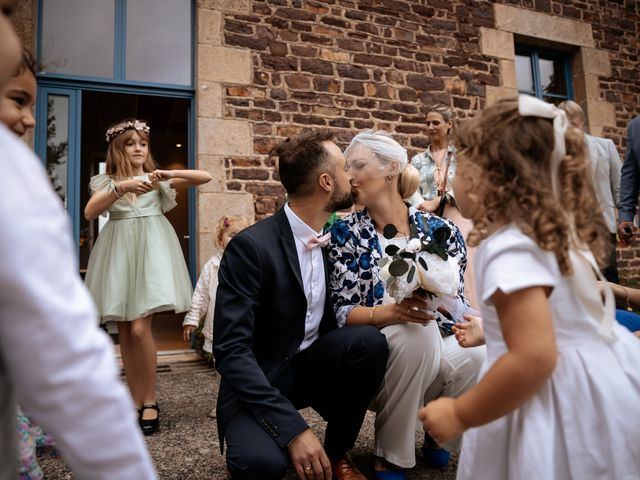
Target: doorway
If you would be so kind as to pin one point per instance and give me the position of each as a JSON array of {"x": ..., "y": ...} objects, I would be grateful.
[
  {"x": 72, "y": 123},
  {"x": 169, "y": 122}
]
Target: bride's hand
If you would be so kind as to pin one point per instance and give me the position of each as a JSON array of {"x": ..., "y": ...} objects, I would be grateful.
[{"x": 413, "y": 309}]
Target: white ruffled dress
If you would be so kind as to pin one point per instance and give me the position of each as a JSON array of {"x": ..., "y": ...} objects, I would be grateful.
[
  {"x": 136, "y": 267},
  {"x": 584, "y": 423}
]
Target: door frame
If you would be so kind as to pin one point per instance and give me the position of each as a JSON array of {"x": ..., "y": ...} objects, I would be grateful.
[{"x": 74, "y": 89}]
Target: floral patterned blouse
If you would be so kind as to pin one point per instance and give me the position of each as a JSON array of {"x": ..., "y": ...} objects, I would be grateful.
[
  {"x": 354, "y": 252},
  {"x": 426, "y": 165}
]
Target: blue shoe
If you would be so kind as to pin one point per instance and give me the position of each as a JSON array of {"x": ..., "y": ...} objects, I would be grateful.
[
  {"x": 390, "y": 475},
  {"x": 433, "y": 455}
]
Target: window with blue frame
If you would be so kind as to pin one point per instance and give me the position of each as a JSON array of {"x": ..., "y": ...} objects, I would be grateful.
[
  {"x": 127, "y": 41},
  {"x": 544, "y": 73}
]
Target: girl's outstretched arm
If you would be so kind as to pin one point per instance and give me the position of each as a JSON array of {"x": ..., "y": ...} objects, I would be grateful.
[
  {"x": 181, "y": 178},
  {"x": 527, "y": 328}
]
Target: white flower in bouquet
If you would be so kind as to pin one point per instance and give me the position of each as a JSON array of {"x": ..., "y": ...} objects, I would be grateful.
[
  {"x": 400, "y": 286},
  {"x": 424, "y": 265},
  {"x": 414, "y": 245},
  {"x": 438, "y": 276}
]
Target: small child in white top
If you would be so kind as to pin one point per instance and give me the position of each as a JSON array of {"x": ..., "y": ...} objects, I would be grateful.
[{"x": 204, "y": 295}]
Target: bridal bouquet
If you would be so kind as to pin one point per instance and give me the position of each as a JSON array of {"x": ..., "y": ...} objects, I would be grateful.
[{"x": 424, "y": 266}]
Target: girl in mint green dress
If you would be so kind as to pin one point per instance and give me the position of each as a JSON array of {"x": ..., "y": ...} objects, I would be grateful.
[{"x": 136, "y": 267}]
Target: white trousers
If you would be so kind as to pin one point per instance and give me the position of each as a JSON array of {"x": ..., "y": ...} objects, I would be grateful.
[{"x": 421, "y": 364}]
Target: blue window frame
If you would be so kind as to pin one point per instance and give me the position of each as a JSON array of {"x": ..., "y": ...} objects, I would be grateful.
[
  {"x": 544, "y": 73},
  {"x": 154, "y": 47}
]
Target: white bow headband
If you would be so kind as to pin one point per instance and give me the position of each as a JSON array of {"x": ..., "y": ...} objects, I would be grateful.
[{"x": 529, "y": 106}]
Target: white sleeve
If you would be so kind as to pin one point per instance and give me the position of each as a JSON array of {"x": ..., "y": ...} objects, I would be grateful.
[
  {"x": 514, "y": 262},
  {"x": 200, "y": 298},
  {"x": 61, "y": 364}
]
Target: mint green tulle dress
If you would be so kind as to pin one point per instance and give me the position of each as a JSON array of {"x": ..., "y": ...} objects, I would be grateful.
[{"x": 136, "y": 267}]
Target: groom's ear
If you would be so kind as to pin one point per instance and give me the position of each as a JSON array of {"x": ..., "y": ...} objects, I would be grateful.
[{"x": 326, "y": 182}]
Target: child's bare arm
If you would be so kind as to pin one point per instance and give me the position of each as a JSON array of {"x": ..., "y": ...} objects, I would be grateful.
[
  {"x": 527, "y": 328},
  {"x": 181, "y": 178}
]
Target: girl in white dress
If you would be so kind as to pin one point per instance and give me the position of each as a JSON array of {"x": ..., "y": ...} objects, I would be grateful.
[{"x": 558, "y": 396}]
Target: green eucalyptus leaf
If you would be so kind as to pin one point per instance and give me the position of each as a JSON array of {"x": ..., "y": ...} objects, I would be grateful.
[
  {"x": 391, "y": 250},
  {"x": 398, "y": 268},
  {"x": 412, "y": 272},
  {"x": 423, "y": 263},
  {"x": 442, "y": 234},
  {"x": 389, "y": 231}
]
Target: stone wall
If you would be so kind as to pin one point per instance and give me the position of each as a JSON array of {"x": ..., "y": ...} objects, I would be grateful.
[{"x": 351, "y": 65}]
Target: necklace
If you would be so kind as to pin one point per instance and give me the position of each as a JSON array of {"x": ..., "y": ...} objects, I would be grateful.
[{"x": 440, "y": 178}]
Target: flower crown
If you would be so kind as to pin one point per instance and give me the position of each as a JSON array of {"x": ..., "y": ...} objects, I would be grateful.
[{"x": 138, "y": 125}]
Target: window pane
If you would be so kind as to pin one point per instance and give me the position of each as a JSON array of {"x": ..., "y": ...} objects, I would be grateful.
[
  {"x": 552, "y": 78},
  {"x": 77, "y": 37},
  {"x": 554, "y": 100},
  {"x": 524, "y": 75},
  {"x": 159, "y": 41},
  {"x": 57, "y": 142}
]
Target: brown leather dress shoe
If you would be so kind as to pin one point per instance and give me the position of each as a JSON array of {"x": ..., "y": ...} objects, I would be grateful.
[{"x": 344, "y": 469}]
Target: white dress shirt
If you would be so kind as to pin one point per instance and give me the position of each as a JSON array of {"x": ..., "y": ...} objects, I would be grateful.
[
  {"x": 313, "y": 276},
  {"x": 58, "y": 362}
]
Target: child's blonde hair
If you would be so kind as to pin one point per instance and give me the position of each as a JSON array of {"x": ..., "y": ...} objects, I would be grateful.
[
  {"x": 238, "y": 221},
  {"x": 506, "y": 160},
  {"x": 118, "y": 165}
]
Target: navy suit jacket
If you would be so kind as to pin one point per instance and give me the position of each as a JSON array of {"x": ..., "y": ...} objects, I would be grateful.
[
  {"x": 259, "y": 322},
  {"x": 630, "y": 175}
]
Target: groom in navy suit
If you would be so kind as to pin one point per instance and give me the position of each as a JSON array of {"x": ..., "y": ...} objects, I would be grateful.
[{"x": 276, "y": 341}]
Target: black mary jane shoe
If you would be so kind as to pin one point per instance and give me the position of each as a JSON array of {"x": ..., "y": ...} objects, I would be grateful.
[{"x": 152, "y": 425}]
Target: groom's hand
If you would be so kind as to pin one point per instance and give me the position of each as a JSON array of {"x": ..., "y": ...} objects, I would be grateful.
[{"x": 308, "y": 457}]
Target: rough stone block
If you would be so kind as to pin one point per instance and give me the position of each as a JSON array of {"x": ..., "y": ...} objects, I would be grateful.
[
  {"x": 543, "y": 26},
  {"x": 214, "y": 164},
  {"x": 494, "y": 94},
  {"x": 223, "y": 64},
  {"x": 600, "y": 115},
  {"x": 218, "y": 136},
  {"x": 334, "y": 56},
  {"x": 232, "y": 6},
  {"x": 209, "y": 26},
  {"x": 508, "y": 73},
  {"x": 586, "y": 87},
  {"x": 496, "y": 43},
  {"x": 591, "y": 60},
  {"x": 213, "y": 206},
  {"x": 206, "y": 247},
  {"x": 209, "y": 100}
]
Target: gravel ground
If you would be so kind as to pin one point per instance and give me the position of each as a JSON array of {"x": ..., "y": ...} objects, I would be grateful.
[{"x": 187, "y": 447}]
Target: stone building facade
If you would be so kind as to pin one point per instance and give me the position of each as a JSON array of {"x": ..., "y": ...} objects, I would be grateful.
[{"x": 266, "y": 69}]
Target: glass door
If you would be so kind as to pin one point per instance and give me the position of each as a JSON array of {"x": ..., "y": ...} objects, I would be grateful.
[{"x": 57, "y": 131}]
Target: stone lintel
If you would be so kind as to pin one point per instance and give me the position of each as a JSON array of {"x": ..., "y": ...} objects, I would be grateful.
[{"x": 543, "y": 26}]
